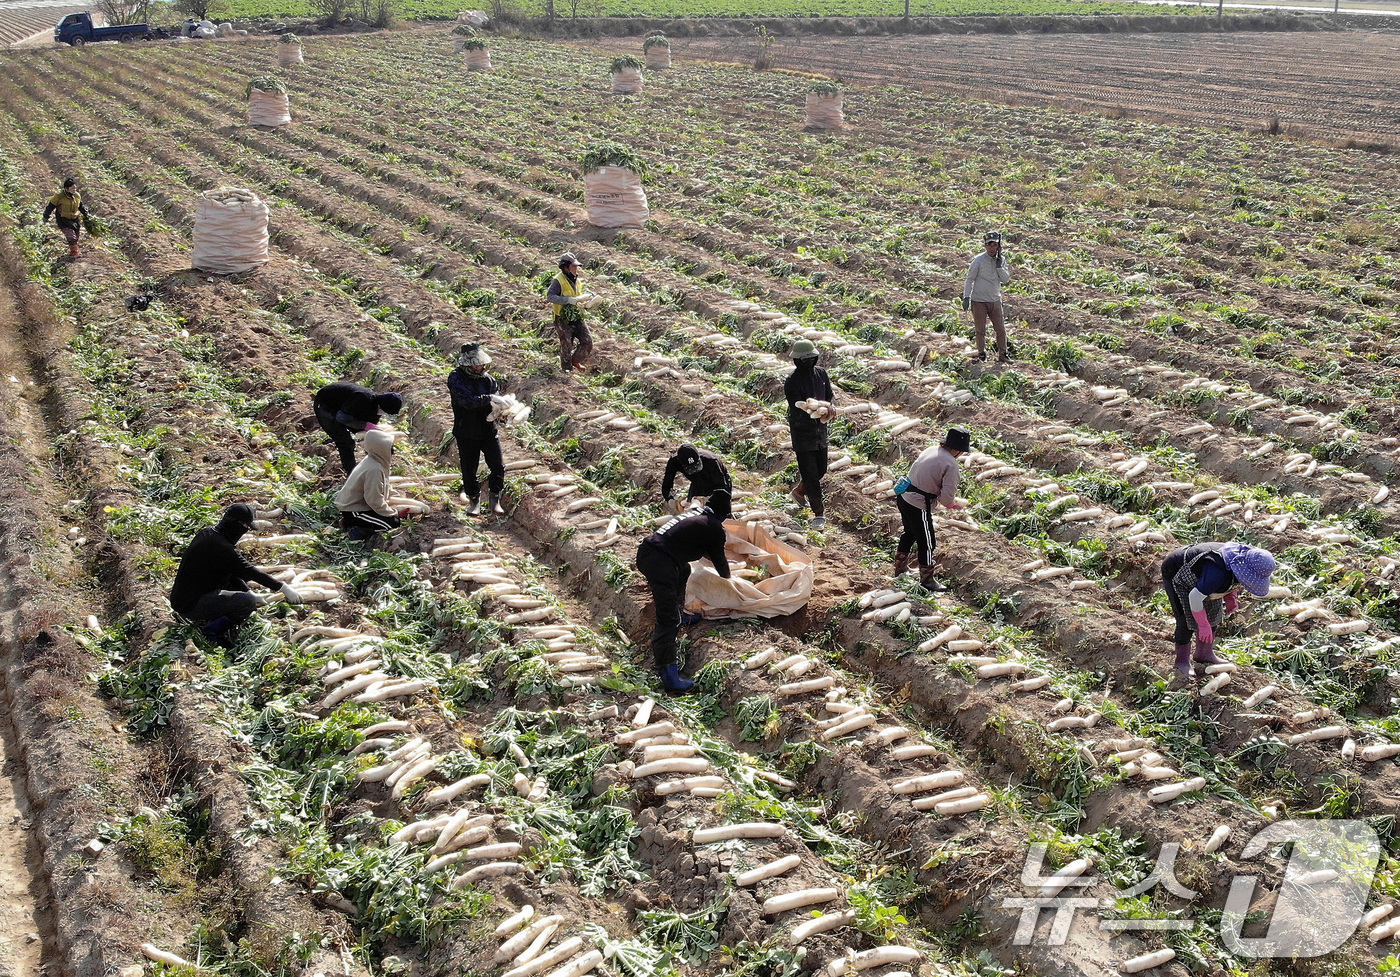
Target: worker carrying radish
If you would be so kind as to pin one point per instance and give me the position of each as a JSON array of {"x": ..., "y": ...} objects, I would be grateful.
[
  {"x": 986, "y": 275},
  {"x": 72, "y": 214},
  {"x": 211, "y": 584},
  {"x": 810, "y": 410},
  {"x": 345, "y": 409},
  {"x": 363, "y": 500},
  {"x": 664, "y": 558},
  {"x": 1200, "y": 581},
  {"x": 703, "y": 469},
  {"x": 932, "y": 481},
  {"x": 473, "y": 427},
  {"x": 569, "y": 300}
]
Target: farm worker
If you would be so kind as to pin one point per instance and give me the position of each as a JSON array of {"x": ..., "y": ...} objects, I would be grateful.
[
  {"x": 363, "y": 500},
  {"x": 1200, "y": 582},
  {"x": 702, "y": 469},
  {"x": 809, "y": 438},
  {"x": 345, "y": 409},
  {"x": 71, "y": 213},
  {"x": 211, "y": 584},
  {"x": 569, "y": 301},
  {"x": 664, "y": 559},
  {"x": 472, "y": 388},
  {"x": 982, "y": 293},
  {"x": 932, "y": 481}
]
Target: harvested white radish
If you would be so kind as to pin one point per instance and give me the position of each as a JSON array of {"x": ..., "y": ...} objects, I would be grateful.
[
  {"x": 1170, "y": 792},
  {"x": 1148, "y": 960},
  {"x": 927, "y": 782},
  {"x": 1030, "y": 684},
  {"x": 1221, "y": 835},
  {"x": 1053, "y": 885},
  {"x": 164, "y": 956},
  {"x": 748, "y": 829},
  {"x": 848, "y": 726},
  {"x": 442, "y": 795},
  {"x": 932, "y": 801},
  {"x": 867, "y": 959},
  {"x": 964, "y": 805},
  {"x": 1314, "y": 735},
  {"x": 999, "y": 669},
  {"x": 811, "y": 685},
  {"x": 913, "y": 752},
  {"x": 655, "y": 729},
  {"x": 798, "y": 899},
  {"x": 1259, "y": 696},
  {"x": 689, "y": 784},
  {"x": 779, "y": 866},
  {"x": 1379, "y": 751},
  {"x": 821, "y": 924},
  {"x": 1216, "y": 684},
  {"x": 1377, "y": 914},
  {"x": 674, "y": 765},
  {"x": 543, "y": 962},
  {"x": 1382, "y": 932},
  {"x": 512, "y": 923}
]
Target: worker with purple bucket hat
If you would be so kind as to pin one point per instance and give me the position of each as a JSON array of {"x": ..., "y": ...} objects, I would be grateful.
[{"x": 1200, "y": 581}]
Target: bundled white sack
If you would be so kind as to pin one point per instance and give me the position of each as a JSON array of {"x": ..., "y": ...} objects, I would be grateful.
[
  {"x": 268, "y": 104},
  {"x": 477, "y": 55},
  {"x": 657, "y": 48},
  {"x": 626, "y": 75},
  {"x": 230, "y": 232},
  {"x": 615, "y": 198},
  {"x": 824, "y": 107},
  {"x": 473, "y": 18},
  {"x": 289, "y": 50},
  {"x": 225, "y": 30}
]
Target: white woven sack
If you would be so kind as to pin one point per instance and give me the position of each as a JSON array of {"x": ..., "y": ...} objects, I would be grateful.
[
  {"x": 627, "y": 81},
  {"x": 824, "y": 112},
  {"x": 658, "y": 56},
  {"x": 478, "y": 59},
  {"x": 457, "y": 44},
  {"x": 615, "y": 198},
  {"x": 225, "y": 30},
  {"x": 289, "y": 54},
  {"x": 268, "y": 108},
  {"x": 230, "y": 232}
]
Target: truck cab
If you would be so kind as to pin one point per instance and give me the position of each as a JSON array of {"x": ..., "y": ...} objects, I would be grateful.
[{"x": 78, "y": 29}]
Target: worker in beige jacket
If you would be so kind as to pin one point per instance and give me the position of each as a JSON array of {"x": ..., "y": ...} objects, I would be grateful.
[
  {"x": 363, "y": 500},
  {"x": 932, "y": 481}
]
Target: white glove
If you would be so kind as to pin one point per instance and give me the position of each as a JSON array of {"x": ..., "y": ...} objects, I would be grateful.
[{"x": 290, "y": 594}]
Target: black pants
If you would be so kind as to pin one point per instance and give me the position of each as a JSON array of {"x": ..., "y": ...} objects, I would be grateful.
[
  {"x": 371, "y": 521},
  {"x": 667, "y": 579},
  {"x": 342, "y": 436},
  {"x": 469, "y": 454},
  {"x": 811, "y": 466},
  {"x": 918, "y": 530},
  {"x": 236, "y": 605},
  {"x": 1171, "y": 566}
]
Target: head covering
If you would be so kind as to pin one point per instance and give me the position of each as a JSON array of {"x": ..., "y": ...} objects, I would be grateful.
[
  {"x": 689, "y": 457},
  {"x": 803, "y": 349},
  {"x": 991, "y": 237},
  {"x": 473, "y": 355},
  {"x": 721, "y": 503},
  {"x": 236, "y": 520},
  {"x": 957, "y": 440},
  {"x": 566, "y": 259},
  {"x": 70, "y": 182},
  {"x": 380, "y": 444},
  {"x": 1251, "y": 566},
  {"x": 389, "y": 403}
]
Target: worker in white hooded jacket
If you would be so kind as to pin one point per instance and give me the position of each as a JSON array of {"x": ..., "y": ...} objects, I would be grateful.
[{"x": 363, "y": 501}]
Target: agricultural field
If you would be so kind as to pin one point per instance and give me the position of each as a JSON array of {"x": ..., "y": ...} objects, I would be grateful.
[
  {"x": 1204, "y": 333},
  {"x": 1332, "y": 86}
]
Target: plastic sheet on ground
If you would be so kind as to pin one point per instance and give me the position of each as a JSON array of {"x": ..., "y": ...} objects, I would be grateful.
[
  {"x": 824, "y": 112},
  {"x": 230, "y": 232},
  {"x": 615, "y": 198},
  {"x": 785, "y": 589}
]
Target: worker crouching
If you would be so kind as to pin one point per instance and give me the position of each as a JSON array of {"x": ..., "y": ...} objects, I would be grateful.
[
  {"x": 1200, "y": 582},
  {"x": 363, "y": 501}
]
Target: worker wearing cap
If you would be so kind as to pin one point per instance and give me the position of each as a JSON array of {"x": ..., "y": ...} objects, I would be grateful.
[
  {"x": 211, "y": 584},
  {"x": 345, "y": 409},
  {"x": 664, "y": 558},
  {"x": 986, "y": 275},
  {"x": 1200, "y": 581},
  {"x": 705, "y": 472},
  {"x": 68, "y": 202},
  {"x": 567, "y": 297},
  {"x": 932, "y": 481},
  {"x": 809, "y": 434},
  {"x": 472, "y": 388}
]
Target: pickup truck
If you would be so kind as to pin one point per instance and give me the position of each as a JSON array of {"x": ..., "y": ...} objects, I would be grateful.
[{"x": 78, "y": 29}]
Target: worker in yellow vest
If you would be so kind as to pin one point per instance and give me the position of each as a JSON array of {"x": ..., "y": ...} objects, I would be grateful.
[
  {"x": 69, "y": 204},
  {"x": 569, "y": 300}
]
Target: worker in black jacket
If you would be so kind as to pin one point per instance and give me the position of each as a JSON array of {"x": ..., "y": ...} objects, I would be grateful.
[
  {"x": 703, "y": 470},
  {"x": 472, "y": 388},
  {"x": 211, "y": 585},
  {"x": 809, "y": 438},
  {"x": 345, "y": 409},
  {"x": 664, "y": 559}
]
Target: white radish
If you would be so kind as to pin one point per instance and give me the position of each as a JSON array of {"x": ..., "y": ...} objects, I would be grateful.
[
  {"x": 559, "y": 954},
  {"x": 673, "y": 765},
  {"x": 1170, "y": 792},
  {"x": 821, "y": 924},
  {"x": 927, "y": 782},
  {"x": 1376, "y": 915},
  {"x": 1381, "y": 932},
  {"x": 1030, "y": 684},
  {"x": 1216, "y": 684},
  {"x": 867, "y": 959},
  {"x": 580, "y": 965},
  {"x": 513, "y": 946},
  {"x": 391, "y": 726},
  {"x": 811, "y": 685},
  {"x": 779, "y": 866},
  {"x": 512, "y": 923},
  {"x": 798, "y": 899},
  {"x": 443, "y": 795},
  {"x": 760, "y": 659},
  {"x": 1259, "y": 696},
  {"x": 999, "y": 669},
  {"x": 1314, "y": 735},
  {"x": 655, "y": 729},
  {"x": 913, "y": 752},
  {"x": 848, "y": 726},
  {"x": 1379, "y": 751},
  {"x": 747, "y": 829},
  {"x": 965, "y": 805},
  {"x": 164, "y": 956},
  {"x": 1148, "y": 960},
  {"x": 1055, "y": 883},
  {"x": 689, "y": 785},
  {"x": 1221, "y": 835},
  {"x": 933, "y": 800}
]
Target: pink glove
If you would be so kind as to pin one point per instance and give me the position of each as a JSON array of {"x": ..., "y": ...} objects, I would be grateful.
[
  {"x": 956, "y": 505},
  {"x": 370, "y": 427},
  {"x": 1232, "y": 603},
  {"x": 403, "y": 513},
  {"x": 1204, "y": 632}
]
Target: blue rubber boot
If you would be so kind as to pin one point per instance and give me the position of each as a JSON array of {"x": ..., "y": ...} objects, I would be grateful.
[{"x": 672, "y": 680}]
